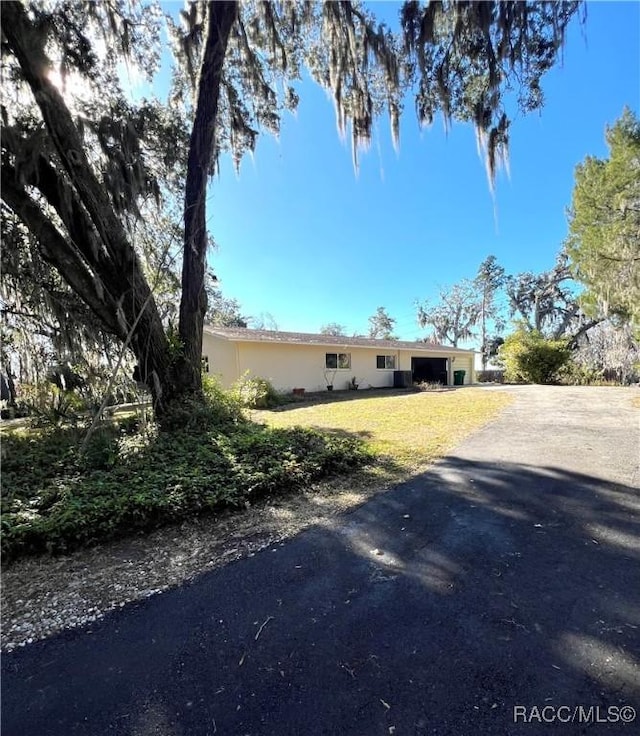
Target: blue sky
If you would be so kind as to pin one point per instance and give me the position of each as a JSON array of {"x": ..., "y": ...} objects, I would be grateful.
[{"x": 303, "y": 238}]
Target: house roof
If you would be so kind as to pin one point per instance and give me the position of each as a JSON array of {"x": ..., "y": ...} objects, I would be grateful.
[{"x": 239, "y": 334}]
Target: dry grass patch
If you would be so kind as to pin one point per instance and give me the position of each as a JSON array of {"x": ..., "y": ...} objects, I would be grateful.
[{"x": 409, "y": 429}]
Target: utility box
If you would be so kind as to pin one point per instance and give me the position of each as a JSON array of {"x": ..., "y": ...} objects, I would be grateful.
[{"x": 402, "y": 379}]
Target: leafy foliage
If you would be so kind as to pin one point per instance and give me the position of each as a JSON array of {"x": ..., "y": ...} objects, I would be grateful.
[
  {"x": 578, "y": 374},
  {"x": 455, "y": 315},
  {"x": 55, "y": 500},
  {"x": 381, "y": 325},
  {"x": 604, "y": 223},
  {"x": 254, "y": 392},
  {"x": 332, "y": 328},
  {"x": 531, "y": 358}
]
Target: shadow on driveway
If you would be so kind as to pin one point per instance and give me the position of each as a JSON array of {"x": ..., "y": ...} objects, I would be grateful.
[{"x": 433, "y": 609}]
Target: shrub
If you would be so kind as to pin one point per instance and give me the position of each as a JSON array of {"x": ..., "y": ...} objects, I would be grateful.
[
  {"x": 47, "y": 404},
  {"x": 101, "y": 451},
  {"x": 490, "y": 376},
  {"x": 530, "y": 358},
  {"x": 578, "y": 374},
  {"x": 254, "y": 392},
  {"x": 221, "y": 410},
  {"x": 428, "y": 386},
  {"x": 55, "y": 501}
]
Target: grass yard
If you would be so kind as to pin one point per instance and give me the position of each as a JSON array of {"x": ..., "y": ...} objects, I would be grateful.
[
  {"x": 411, "y": 429},
  {"x": 54, "y": 499}
]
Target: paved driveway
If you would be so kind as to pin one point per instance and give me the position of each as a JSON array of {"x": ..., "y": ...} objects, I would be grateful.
[{"x": 507, "y": 577}]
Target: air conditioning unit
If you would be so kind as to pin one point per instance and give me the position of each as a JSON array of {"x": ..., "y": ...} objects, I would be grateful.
[{"x": 402, "y": 379}]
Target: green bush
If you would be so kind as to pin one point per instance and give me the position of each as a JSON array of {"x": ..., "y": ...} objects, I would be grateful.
[
  {"x": 221, "y": 409},
  {"x": 54, "y": 500},
  {"x": 101, "y": 451},
  {"x": 253, "y": 392},
  {"x": 529, "y": 357},
  {"x": 47, "y": 404},
  {"x": 577, "y": 374}
]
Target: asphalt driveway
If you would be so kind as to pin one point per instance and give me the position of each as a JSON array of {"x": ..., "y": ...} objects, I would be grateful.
[{"x": 497, "y": 591}]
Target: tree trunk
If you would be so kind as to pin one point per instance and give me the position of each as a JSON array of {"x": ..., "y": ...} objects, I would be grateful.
[
  {"x": 484, "y": 329},
  {"x": 583, "y": 329},
  {"x": 193, "y": 305},
  {"x": 108, "y": 278}
]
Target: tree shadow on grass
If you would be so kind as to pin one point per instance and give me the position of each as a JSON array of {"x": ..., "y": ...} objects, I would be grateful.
[
  {"x": 435, "y": 608},
  {"x": 334, "y": 397}
]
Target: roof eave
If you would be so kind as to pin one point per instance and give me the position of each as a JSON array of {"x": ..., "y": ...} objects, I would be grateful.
[{"x": 418, "y": 347}]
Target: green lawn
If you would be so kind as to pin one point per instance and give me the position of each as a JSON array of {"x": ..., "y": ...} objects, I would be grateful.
[
  {"x": 412, "y": 429},
  {"x": 55, "y": 499}
]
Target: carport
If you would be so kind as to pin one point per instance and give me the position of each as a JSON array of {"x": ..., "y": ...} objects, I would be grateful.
[{"x": 430, "y": 370}]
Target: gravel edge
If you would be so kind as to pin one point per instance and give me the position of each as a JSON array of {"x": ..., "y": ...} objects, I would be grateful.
[{"x": 42, "y": 596}]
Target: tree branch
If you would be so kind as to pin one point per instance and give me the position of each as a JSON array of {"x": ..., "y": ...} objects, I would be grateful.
[
  {"x": 606, "y": 257},
  {"x": 27, "y": 43},
  {"x": 56, "y": 251},
  {"x": 573, "y": 341},
  {"x": 62, "y": 197}
]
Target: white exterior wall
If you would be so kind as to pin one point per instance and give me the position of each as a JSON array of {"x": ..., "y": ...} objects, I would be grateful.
[
  {"x": 465, "y": 363},
  {"x": 223, "y": 359},
  {"x": 289, "y": 365}
]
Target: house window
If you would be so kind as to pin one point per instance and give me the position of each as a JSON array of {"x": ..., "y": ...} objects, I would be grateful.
[
  {"x": 386, "y": 362},
  {"x": 205, "y": 363},
  {"x": 333, "y": 361}
]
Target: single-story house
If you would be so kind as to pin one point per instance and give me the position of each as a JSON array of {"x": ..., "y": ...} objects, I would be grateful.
[{"x": 302, "y": 360}]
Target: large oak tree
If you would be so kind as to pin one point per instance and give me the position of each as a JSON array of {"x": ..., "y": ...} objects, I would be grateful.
[{"x": 77, "y": 173}]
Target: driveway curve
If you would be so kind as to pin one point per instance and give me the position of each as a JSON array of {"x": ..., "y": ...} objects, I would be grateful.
[{"x": 498, "y": 593}]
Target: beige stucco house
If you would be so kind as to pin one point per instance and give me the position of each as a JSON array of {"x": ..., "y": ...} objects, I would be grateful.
[{"x": 302, "y": 360}]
